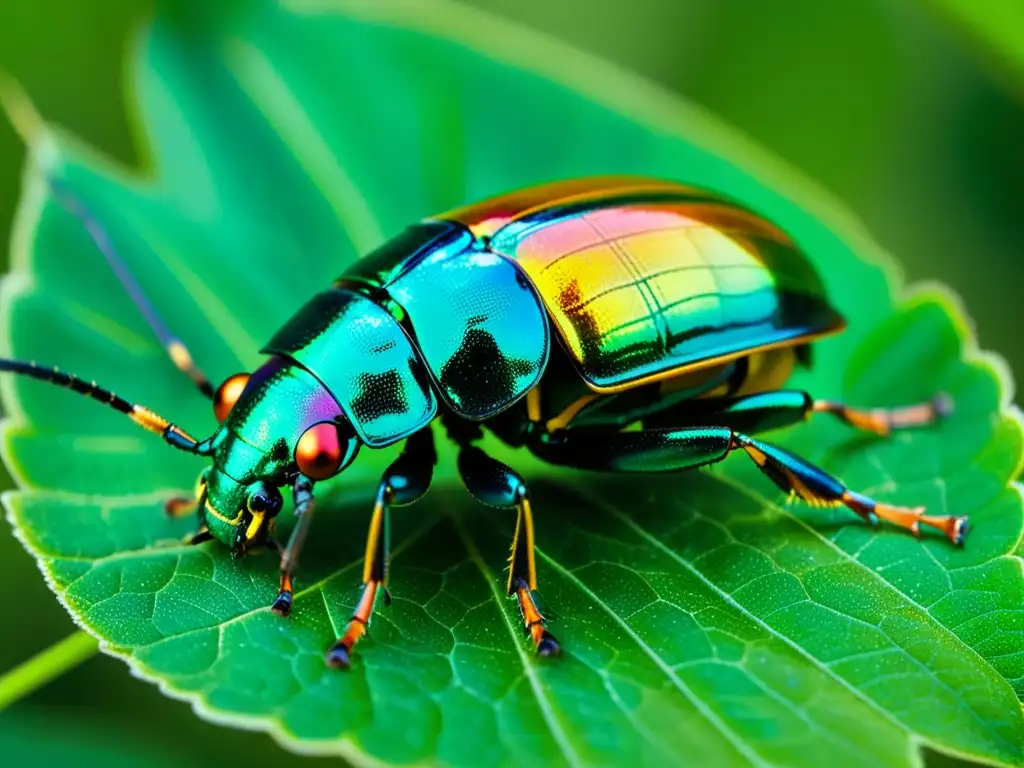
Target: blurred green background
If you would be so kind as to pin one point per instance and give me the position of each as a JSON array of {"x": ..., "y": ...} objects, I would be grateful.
[{"x": 911, "y": 112}]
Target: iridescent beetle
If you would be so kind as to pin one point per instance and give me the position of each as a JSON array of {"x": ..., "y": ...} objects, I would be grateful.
[{"x": 678, "y": 317}]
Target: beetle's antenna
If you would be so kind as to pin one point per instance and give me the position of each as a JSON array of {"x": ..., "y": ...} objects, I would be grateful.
[
  {"x": 33, "y": 130},
  {"x": 144, "y": 417},
  {"x": 176, "y": 349}
]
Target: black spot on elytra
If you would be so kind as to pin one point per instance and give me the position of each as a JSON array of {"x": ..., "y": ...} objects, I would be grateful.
[{"x": 479, "y": 378}]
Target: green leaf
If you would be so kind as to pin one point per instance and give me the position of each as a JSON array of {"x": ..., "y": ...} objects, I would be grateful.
[
  {"x": 705, "y": 622},
  {"x": 995, "y": 28}
]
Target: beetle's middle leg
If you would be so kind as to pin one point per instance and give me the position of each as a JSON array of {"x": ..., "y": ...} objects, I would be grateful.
[
  {"x": 405, "y": 481},
  {"x": 666, "y": 450},
  {"x": 498, "y": 485}
]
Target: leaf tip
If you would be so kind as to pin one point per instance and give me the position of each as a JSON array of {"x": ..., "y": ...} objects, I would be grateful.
[{"x": 23, "y": 116}]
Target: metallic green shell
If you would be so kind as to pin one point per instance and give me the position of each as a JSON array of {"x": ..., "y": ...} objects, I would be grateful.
[
  {"x": 479, "y": 325},
  {"x": 280, "y": 402},
  {"x": 477, "y": 322},
  {"x": 364, "y": 358}
]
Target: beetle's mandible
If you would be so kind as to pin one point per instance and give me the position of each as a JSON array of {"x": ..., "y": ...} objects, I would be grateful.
[{"x": 610, "y": 324}]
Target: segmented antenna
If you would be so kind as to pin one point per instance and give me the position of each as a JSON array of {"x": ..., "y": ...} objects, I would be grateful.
[
  {"x": 177, "y": 351},
  {"x": 142, "y": 416}
]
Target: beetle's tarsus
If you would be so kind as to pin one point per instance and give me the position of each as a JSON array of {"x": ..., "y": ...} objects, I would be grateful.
[
  {"x": 534, "y": 622},
  {"x": 339, "y": 657},
  {"x": 943, "y": 405},
  {"x": 283, "y": 604},
  {"x": 911, "y": 518},
  {"x": 340, "y": 653},
  {"x": 885, "y": 421},
  {"x": 285, "y": 596},
  {"x": 548, "y": 645},
  {"x": 959, "y": 531}
]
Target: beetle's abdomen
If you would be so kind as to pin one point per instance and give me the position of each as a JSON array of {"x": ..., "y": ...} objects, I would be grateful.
[{"x": 643, "y": 285}]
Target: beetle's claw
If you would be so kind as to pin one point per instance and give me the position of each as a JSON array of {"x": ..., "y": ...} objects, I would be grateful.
[
  {"x": 943, "y": 405},
  {"x": 958, "y": 530},
  {"x": 548, "y": 646},
  {"x": 283, "y": 604},
  {"x": 339, "y": 657}
]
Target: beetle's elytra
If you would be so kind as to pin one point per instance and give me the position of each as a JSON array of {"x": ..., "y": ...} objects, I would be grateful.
[{"x": 609, "y": 324}]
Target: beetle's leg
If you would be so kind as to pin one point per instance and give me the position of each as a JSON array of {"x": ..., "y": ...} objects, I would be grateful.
[
  {"x": 176, "y": 349},
  {"x": 883, "y": 421},
  {"x": 660, "y": 450},
  {"x": 497, "y": 485},
  {"x": 179, "y": 507},
  {"x": 302, "y": 494},
  {"x": 405, "y": 481},
  {"x": 780, "y": 408},
  {"x": 815, "y": 486},
  {"x": 200, "y": 536}
]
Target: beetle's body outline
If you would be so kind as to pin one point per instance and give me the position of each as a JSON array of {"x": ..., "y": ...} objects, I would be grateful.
[{"x": 610, "y": 323}]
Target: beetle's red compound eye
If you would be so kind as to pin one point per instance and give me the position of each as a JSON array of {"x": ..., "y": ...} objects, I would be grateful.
[
  {"x": 319, "y": 451},
  {"x": 227, "y": 395}
]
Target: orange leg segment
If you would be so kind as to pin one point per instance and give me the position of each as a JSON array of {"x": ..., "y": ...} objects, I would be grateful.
[
  {"x": 374, "y": 578},
  {"x": 405, "y": 481},
  {"x": 543, "y": 641},
  {"x": 522, "y": 579},
  {"x": 884, "y": 421},
  {"x": 340, "y": 656}
]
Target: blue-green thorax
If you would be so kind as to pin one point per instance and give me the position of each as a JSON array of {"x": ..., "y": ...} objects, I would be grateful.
[{"x": 254, "y": 448}]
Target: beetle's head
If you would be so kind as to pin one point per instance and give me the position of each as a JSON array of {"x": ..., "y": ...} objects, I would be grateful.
[
  {"x": 278, "y": 426},
  {"x": 263, "y": 446},
  {"x": 238, "y": 514}
]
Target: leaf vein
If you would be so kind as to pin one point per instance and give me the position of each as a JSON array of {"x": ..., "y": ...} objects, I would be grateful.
[
  {"x": 730, "y": 600},
  {"x": 752, "y": 757},
  {"x": 543, "y": 704}
]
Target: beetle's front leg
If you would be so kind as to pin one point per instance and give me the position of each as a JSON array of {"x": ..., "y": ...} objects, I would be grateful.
[
  {"x": 178, "y": 507},
  {"x": 302, "y": 494},
  {"x": 498, "y": 485},
  {"x": 405, "y": 481}
]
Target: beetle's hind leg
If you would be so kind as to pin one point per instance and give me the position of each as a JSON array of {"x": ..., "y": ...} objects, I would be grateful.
[
  {"x": 405, "y": 481},
  {"x": 779, "y": 408},
  {"x": 817, "y": 487},
  {"x": 662, "y": 450},
  {"x": 884, "y": 421}
]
